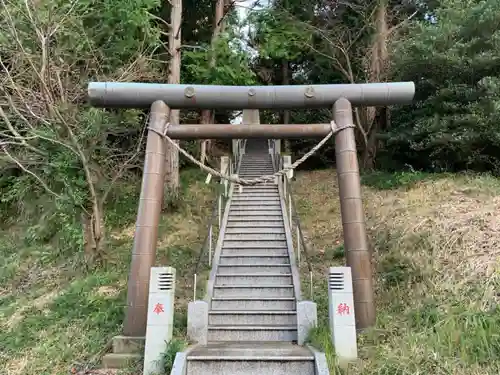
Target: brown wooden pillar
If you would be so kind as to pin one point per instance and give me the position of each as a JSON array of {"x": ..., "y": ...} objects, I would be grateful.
[
  {"x": 146, "y": 229},
  {"x": 353, "y": 220}
]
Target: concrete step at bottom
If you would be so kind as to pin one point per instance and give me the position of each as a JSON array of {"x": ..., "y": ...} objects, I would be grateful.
[
  {"x": 252, "y": 333},
  {"x": 253, "y": 303},
  {"x": 244, "y": 367},
  {"x": 253, "y": 291},
  {"x": 264, "y": 317}
]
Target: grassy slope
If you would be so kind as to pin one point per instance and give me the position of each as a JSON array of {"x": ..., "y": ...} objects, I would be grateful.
[
  {"x": 436, "y": 250},
  {"x": 434, "y": 242},
  {"x": 55, "y": 315}
]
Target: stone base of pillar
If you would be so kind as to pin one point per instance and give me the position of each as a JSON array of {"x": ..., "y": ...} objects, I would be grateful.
[{"x": 127, "y": 351}]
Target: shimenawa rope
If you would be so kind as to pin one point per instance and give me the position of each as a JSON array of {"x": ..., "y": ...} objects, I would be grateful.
[{"x": 255, "y": 181}]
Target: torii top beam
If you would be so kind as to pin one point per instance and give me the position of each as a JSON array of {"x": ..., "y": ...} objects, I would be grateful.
[{"x": 142, "y": 95}]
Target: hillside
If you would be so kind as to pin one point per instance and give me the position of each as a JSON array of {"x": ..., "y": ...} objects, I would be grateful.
[{"x": 435, "y": 241}]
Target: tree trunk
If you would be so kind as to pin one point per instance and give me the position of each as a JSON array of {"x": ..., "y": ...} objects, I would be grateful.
[
  {"x": 93, "y": 234},
  {"x": 377, "y": 72},
  {"x": 286, "y": 113},
  {"x": 174, "y": 76},
  {"x": 207, "y": 116},
  {"x": 381, "y": 122}
]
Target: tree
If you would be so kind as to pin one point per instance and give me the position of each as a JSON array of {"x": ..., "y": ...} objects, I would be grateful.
[
  {"x": 453, "y": 58},
  {"x": 53, "y": 144},
  {"x": 174, "y": 77}
]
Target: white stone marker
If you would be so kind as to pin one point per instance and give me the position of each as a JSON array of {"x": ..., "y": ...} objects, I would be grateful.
[
  {"x": 160, "y": 318},
  {"x": 341, "y": 314}
]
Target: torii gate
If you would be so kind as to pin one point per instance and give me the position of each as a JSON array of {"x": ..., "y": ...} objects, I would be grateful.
[{"x": 162, "y": 97}]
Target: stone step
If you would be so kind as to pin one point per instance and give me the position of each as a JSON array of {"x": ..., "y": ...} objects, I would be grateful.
[
  {"x": 261, "y": 187},
  {"x": 252, "y": 333},
  {"x": 256, "y": 208},
  {"x": 254, "y": 268},
  {"x": 261, "y": 167},
  {"x": 254, "y": 279},
  {"x": 257, "y": 172},
  {"x": 264, "y": 212},
  {"x": 237, "y": 223},
  {"x": 267, "y": 317},
  {"x": 252, "y": 162},
  {"x": 254, "y": 245},
  {"x": 249, "y": 218},
  {"x": 253, "y": 303},
  {"x": 251, "y": 291},
  {"x": 251, "y": 158},
  {"x": 255, "y": 200},
  {"x": 263, "y": 154},
  {"x": 271, "y": 196},
  {"x": 251, "y": 259},
  {"x": 243, "y": 367},
  {"x": 254, "y": 236},
  {"x": 255, "y": 193},
  {"x": 246, "y": 244},
  {"x": 254, "y": 230},
  {"x": 252, "y": 175},
  {"x": 256, "y": 161},
  {"x": 255, "y": 252},
  {"x": 251, "y": 350}
]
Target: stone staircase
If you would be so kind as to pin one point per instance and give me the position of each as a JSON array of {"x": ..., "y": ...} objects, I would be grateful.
[
  {"x": 253, "y": 296},
  {"x": 254, "y": 287}
]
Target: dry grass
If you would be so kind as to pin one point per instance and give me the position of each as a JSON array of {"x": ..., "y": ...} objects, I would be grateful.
[
  {"x": 436, "y": 253},
  {"x": 55, "y": 317}
]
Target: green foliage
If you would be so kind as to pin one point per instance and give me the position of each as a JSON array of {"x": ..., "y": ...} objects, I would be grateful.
[
  {"x": 385, "y": 180},
  {"x": 173, "y": 347},
  {"x": 231, "y": 67},
  {"x": 454, "y": 63},
  {"x": 277, "y": 37}
]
